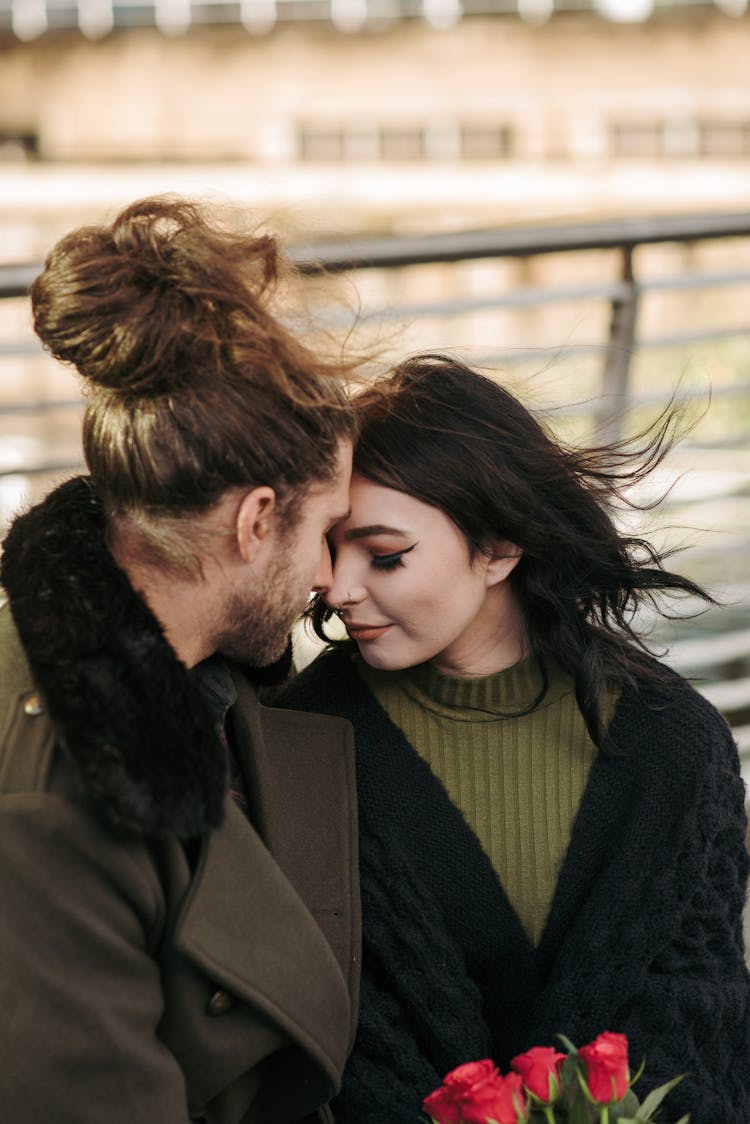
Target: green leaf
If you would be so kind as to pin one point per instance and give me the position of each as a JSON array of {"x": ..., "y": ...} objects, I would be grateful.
[
  {"x": 568, "y": 1044},
  {"x": 569, "y": 1081},
  {"x": 656, "y": 1096},
  {"x": 582, "y": 1085},
  {"x": 629, "y": 1103},
  {"x": 639, "y": 1071}
]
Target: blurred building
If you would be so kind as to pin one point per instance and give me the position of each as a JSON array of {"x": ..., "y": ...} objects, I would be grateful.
[{"x": 372, "y": 114}]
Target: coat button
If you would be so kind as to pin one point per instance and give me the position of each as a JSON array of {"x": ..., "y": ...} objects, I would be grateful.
[
  {"x": 219, "y": 1003},
  {"x": 33, "y": 706}
]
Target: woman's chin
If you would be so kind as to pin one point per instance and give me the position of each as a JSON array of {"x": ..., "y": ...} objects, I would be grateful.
[{"x": 382, "y": 661}]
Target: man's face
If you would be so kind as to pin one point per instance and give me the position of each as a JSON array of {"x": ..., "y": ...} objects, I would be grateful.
[{"x": 257, "y": 620}]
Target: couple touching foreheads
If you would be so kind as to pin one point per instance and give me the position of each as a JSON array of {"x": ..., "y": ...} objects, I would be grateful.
[{"x": 484, "y": 816}]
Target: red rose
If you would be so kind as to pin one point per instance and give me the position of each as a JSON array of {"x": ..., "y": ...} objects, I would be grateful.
[
  {"x": 476, "y": 1093},
  {"x": 540, "y": 1069},
  {"x": 468, "y": 1076},
  {"x": 499, "y": 1099},
  {"x": 443, "y": 1106},
  {"x": 606, "y": 1063},
  {"x": 446, "y": 1104}
]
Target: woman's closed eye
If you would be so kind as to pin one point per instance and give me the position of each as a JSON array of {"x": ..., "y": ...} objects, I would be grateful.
[{"x": 390, "y": 561}]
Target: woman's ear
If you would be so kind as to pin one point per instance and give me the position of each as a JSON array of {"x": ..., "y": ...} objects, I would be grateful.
[
  {"x": 503, "y": 559},
  {"x": 253, "y": 522}
]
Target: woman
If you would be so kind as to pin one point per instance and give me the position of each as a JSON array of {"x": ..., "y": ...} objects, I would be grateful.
[{"x": 551, "y": 821}]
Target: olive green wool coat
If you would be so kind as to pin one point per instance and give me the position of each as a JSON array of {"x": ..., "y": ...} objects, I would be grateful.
[{"x": 161, "y": 960}]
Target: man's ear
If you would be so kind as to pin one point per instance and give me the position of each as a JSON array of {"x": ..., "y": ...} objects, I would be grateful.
[
  {"x": 503, "y": 559},
  {"x": 253, "y": 522}
]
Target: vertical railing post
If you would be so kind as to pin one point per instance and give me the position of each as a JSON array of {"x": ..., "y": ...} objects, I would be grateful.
[{"x": 615, "y": 388}]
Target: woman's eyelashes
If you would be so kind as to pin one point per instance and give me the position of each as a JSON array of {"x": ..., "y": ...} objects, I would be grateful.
[{"x": 390, "y": 561}]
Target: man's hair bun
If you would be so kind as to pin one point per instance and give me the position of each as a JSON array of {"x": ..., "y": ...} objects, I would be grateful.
[
  {"x": 141, "y": 307},
  {"x": 201, "y": 375}
]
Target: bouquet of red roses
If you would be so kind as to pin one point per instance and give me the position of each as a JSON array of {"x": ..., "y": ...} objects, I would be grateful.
[{"x": 591, "y": 1085}]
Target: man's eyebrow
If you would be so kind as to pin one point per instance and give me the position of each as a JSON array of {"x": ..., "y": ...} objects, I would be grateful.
[{"x": 372, "y": 529}]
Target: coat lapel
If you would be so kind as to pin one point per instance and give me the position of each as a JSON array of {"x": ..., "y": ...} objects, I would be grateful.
[
  {"x": 300, "y": 775},
  {"x": 247, "y": 929},
  {"x": 273, "y": 914},
  {"x": 309, "y": 790}
]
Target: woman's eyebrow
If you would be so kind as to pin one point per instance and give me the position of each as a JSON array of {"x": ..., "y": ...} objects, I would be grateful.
[{"x": 372, "y": 529}]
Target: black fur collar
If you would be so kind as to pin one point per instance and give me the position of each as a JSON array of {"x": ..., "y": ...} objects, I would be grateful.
[{"x": 123, "y": 705}]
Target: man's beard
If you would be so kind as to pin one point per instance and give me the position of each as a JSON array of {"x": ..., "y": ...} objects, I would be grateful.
[{"x": 255, "y": 624}]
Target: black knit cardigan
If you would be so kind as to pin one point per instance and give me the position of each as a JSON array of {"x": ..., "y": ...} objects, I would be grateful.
[{"x": 644, "y": 934}]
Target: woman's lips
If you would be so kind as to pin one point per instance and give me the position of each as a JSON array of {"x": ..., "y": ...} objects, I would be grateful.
[{"x": 360, "y": 632}]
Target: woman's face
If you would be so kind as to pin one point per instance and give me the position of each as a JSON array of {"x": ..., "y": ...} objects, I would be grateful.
[{"x": 408, "y": 592}]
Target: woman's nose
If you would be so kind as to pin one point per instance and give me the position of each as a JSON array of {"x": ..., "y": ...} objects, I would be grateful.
[{"x": 343, "y": 590}]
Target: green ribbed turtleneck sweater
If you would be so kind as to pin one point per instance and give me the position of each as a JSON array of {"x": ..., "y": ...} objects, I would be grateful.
[{"x": 517, "y": 780}]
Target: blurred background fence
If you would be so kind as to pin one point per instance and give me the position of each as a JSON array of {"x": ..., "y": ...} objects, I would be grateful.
[{"x": 597, "y": 325}]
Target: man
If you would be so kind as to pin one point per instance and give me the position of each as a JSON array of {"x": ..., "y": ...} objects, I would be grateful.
[{"x": 179, "y": 927}]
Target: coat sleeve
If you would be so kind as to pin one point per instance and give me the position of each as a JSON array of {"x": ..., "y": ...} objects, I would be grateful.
[{"x": 79, "y": 983}]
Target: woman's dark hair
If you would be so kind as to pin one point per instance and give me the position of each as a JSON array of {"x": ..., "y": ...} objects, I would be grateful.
[
  {"x": 195, "y": 382},
  {"x": 457, "y": 440}
]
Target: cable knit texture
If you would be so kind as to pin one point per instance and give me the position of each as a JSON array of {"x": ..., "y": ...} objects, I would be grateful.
[{"x": 644, "y": 934}]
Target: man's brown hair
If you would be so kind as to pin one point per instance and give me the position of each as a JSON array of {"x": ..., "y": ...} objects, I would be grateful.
[{"x": 195, "y": 383}]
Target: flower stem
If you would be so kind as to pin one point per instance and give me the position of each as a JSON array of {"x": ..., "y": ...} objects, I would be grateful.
[
  {"x": 604, "y": 1114},
  {"x": 549, "y": 1113}
]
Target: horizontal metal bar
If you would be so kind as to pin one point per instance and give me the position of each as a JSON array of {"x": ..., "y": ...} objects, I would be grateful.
[
  {"x": 521, "y": 298},
  {"x": 690, "y": 656},
  {"x": 695, "y": 280},
  {"x": 12, "y": 284},
  {"x": 541, "y": 353},
  {"x": 16, "y": 280},
  {"x": 41, "y": 406},
  {"x": 535, "y": 296},
  {"x": 703, "y": 335},
  {"x": 17, "y": 348},
  {"x": 741, "y": 735},
  {"x": 67, "y": 465},
  {"x": 731, "y": 390},
  {"x": 528, "y": 355},
  {"x": 729, "y": 696},
  {"x": 399, "y": 250}
]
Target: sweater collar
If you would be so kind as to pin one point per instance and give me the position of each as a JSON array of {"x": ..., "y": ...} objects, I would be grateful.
[{"x": 505, "y": 694}]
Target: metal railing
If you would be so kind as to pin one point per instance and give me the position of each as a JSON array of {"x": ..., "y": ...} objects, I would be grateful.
[
  {"x": 623, "y": 292},
  {"x": 427, "y": 283},
  {"x": 620, "y": 292}
]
